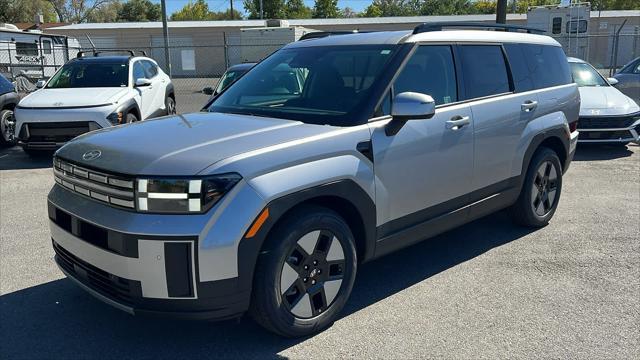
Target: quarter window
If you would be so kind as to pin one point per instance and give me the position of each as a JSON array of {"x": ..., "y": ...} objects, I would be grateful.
[
  {"x": 484, "y": 69},
  {"x": 430, "y": 71},
  {"x": 548, "y": 65}
]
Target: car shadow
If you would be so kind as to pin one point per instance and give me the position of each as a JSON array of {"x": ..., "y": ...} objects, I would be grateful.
[
  {"x": 14, "y": 158},
  {"x": 59, "y": 320},
  {"x": 594, "y": 152}
]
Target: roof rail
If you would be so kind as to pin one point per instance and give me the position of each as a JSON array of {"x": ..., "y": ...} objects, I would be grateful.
[
  {"x": 96, "y": 52},
  {"x": 322, "y": 34},
  {"x": 439, "y": 26}
]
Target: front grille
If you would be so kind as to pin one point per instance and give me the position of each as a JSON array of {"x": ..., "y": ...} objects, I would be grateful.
[
  {"x": 605, "y": 135},
  {"x": 57, "y": 132},
  {"x": 117, "y": 288},
  {"x": 612, "y": 122},
  {"x": 111, "y": 189}
]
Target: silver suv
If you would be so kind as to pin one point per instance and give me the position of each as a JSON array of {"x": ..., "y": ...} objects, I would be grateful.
[{"x": 270, "y": 199}]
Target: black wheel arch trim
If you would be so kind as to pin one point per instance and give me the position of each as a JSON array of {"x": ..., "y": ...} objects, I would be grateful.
[
  {"x": 127, "y": 107},
  {"x": 559, "y": 133},
  {"x": 346, "y": 189},
  {"x": 169, "y": 90}
]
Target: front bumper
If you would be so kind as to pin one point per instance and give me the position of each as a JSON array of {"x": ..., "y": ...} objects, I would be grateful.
[
  {"x": 609, "y": 129},
  {"x": 187, "y": 266}
]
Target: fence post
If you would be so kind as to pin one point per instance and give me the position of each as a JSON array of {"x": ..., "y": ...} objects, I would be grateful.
[
  {"x": 226, "y": 51},
  {"x": 13, "y": 78},
  {"x": 615, "y": 50}
]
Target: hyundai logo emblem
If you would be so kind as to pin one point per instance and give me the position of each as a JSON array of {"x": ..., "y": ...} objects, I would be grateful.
[{"x": 91, "y": 155}]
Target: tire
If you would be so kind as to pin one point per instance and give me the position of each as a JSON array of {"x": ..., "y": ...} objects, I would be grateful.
[
  {"x": 537, "y": 203},
  {"x": 170, "y": 105},
  {"x": 131, "y": 118},
  {"x": 290, "y": 310},
  {"x": 7, "y": 128}
]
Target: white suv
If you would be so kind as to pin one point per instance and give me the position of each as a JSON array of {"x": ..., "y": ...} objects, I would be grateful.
[{"x": 89, "y": 93}]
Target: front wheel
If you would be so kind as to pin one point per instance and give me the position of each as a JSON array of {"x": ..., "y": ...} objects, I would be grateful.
[
  {"x": 131, "y": 118},
  {"x": 540, "y": 192},
  {"x": 170, "y": 105},
  {"x": 7, "y": 128},
  {"x": 305, "y": 273}
]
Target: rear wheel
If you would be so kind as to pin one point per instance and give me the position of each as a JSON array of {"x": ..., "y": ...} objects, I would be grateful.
[
  {"x": 305, "y": 273},
  {"x": 170, "y": 104},
  {"x": 7, "y": 128},
  {"x": 540, "y": 192}
]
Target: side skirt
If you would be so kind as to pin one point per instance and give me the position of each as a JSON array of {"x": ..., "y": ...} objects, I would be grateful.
[{"x": 483, "y": 204}]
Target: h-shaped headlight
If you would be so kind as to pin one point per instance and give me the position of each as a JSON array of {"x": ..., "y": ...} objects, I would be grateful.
[{"x": 197, "y": 195}]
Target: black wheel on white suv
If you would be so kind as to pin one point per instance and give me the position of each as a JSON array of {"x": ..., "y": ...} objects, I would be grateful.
[
  {"x": 540, "y": 192},
  {"x": 170, "y": 104},
  {"x": 305, "y": 273},
  {"x": 7, "y": 128}
]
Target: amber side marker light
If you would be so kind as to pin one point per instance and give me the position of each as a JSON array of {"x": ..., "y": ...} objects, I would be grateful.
[{"x": 253, "y": 230}]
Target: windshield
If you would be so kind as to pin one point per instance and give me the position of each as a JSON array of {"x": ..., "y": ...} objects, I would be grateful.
[
  {"x": 586, "y": 75},
  {"x": 319, "y": 85},
  {"x": 228, "y": 78},
  {"x": 85, "y": 75}
]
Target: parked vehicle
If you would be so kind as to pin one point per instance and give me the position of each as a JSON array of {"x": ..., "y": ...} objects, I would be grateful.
[
  {"x": 8, "y": 100},
  {"x": 33, "y": 54},
  {"x": 606, "y": 114},
  {"x": 268, "y": 202},
  {"x": 629, "y": 79},
  {"x": 89, "y": 93},
  {"x": 232, "y": 74}
]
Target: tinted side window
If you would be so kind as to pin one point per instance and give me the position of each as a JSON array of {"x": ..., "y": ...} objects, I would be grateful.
[
  {"x": 138, "y": 71},
  {"x": 150, "y": 68},
  {"x": 485, "y": 71},
  {"x": 430, "y": 71},
  {"x": 522, "y": 79},
  {"x": 547, "y": 64},
  {"x": 5, "y": 85}
]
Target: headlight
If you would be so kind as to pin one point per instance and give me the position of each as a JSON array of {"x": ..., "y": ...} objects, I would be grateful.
[
  {"x": 115, "y": 118},
  {"x": 182, "y": 195}
]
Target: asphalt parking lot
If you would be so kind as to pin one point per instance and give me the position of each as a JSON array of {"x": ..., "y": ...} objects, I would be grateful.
[{"x": 486, "y": 290}]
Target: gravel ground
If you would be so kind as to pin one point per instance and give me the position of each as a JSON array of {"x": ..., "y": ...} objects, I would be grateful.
[{"x": 486, "y": 290}]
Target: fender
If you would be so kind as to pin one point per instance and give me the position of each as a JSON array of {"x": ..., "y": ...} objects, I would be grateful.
[
  {"x": 347, "y": 190},
  {"x": 128, "y": 106},
  {"x": 169, "y": 90},
  {"x": 558, "y": 132}
]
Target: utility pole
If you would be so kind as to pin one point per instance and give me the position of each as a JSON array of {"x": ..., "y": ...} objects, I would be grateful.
[
  {"x": 501, "y": 12},
  {"x": 232, "y": 15},
  {"x": 261, "y": 10},
  {"x": 165, "y": 33}
]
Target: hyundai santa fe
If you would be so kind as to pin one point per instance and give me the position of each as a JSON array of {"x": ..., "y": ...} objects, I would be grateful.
[{"x": 268, "y": 200}]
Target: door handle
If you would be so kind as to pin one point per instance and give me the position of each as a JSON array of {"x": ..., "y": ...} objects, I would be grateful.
[
  {"x": 529, "y": 105},
  {"x": 458, "y": 122}
]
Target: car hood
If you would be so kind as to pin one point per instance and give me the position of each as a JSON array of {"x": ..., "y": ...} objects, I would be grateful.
[
  {"x": 182, "y": 144},
  {"x": 605, "y": 100},
  {"x": 73, "y": 97}
]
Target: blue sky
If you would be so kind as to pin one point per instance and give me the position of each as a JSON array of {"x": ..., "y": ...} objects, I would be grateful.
[{"x": 220, "y": 5}]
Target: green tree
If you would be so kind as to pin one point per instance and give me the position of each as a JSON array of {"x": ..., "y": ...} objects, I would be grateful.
[
  {"x": 484, "y": 7},
  {"x": 393, "y": 8},
  {"x": 296, "y": 9},
  {"x": 453, "y": 7},
  {"x": 326, "y": 9},
  {"x": 76, "y": 11},
  {"x": 372, "y": 11},
  {"x": 139, "y": 10},
  {"x": 106, "y": 13},
  {"x": 272, "y": 9},
  {"x": 348, "y": 12},
  {"x": 12, "y": 11},
  {"x": 198, "y": 10}
]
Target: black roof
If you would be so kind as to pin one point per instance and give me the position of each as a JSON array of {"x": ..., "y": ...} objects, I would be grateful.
[{"x": 119, "y": 59}]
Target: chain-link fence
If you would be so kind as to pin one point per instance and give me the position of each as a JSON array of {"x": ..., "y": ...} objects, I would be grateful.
[{"x": 198, "y": 62}]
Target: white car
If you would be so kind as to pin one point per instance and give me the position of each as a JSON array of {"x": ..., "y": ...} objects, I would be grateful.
[
  {"x": 89, "y": 93},
  {"x": 606, "y": 114}
]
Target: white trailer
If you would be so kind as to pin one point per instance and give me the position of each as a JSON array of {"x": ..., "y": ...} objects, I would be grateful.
[
  {"x": 568, "y": 23},
  {"x": 33, "y": 54}
]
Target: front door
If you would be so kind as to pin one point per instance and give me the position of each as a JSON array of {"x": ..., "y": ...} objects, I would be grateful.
[
  {"x": 146, "y": 93},
  {"x": 425, "y": 169}
]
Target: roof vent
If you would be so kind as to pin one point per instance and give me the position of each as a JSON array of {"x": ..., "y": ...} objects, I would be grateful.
[
  {"x": 277, "y": 23},
  {"x": 9, "y": 27}
]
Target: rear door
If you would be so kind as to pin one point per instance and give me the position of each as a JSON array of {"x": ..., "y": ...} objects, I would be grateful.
[
  {"x": 499, "y": 113},
  {"x": 424, "y": 170}
]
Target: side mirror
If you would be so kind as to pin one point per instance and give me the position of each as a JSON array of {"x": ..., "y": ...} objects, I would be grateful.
[
  {"x": 140, "y": 82},
  {"x": 40, "y": 84},
  {"x": 408, "y": 106},
  {"x": 208, "y": 90},
  {"x": 612, "y": 81}
]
